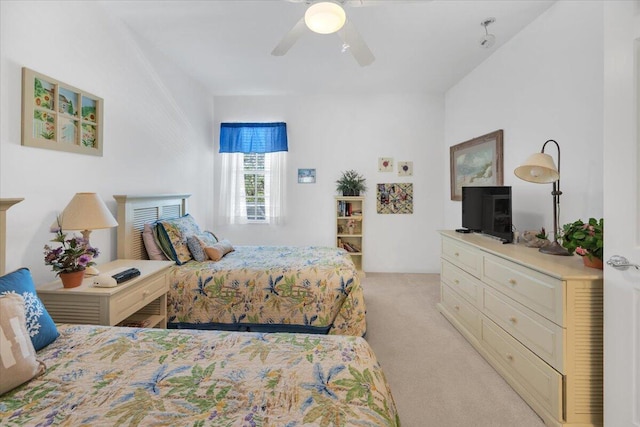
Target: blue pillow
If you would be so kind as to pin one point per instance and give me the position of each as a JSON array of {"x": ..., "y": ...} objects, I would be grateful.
[
  {"x": 198, "y": 242},
  {"x": 41, "y": 327}
]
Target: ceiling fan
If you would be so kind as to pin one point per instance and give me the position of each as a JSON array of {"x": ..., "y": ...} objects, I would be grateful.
[{"x": 328, "y": 17}]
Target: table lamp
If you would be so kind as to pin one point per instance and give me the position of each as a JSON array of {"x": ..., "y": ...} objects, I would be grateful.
[
  {"x": 540, "y": 169},
  {"x": 87, "y": 212}
]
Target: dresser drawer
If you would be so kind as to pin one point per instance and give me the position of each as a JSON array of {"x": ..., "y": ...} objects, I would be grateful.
[
  {"x": 542, "y": 293},
  {"x": 463, "y": 256},
  {"x": 541, "y": 381},
  {"x": 540, "y": 335},
  {"x": 464, "y": 312},
  {"x": 127, "y": 302},
  {"x": 463, "y": 283}
]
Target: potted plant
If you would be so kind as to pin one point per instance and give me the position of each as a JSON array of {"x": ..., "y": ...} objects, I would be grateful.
[
  {"x": 351, "y": 183},
  {"x": 585, "y": 239},
  {"x": 71, "y": 259}
]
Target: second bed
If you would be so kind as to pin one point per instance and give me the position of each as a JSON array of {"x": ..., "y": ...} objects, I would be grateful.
[{"x": 311, "y": 289}]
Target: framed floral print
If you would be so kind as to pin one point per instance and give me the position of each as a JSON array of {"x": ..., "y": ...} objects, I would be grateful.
[
  {"x": 58, "y": 116},
  {"x": 476, "y": 162}
]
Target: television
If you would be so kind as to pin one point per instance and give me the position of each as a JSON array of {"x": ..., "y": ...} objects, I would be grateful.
[{"x": 487, "y": 210}]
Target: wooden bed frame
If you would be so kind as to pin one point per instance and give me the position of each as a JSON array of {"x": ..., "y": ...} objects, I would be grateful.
[
  {"x": 4, "y": 205},
  {"x": 136, "y": 210}
]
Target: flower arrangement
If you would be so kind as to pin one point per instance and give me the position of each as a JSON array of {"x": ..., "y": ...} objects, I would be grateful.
[
  {"x": 75, "y": 254},
  {"x": 585, "y": 239}
]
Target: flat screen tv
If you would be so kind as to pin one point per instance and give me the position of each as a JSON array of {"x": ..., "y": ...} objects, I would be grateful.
[{"x": 488, "y": 210}]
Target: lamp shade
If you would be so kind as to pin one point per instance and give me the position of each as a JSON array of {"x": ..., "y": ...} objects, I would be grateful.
[
  {"x": 325, "y": 17},
  {"x": 86, "y": 211},
  {"x": 539, "y": 168}
]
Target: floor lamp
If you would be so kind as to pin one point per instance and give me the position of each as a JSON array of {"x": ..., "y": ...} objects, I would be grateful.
[
  {"x": 540, "y": 169},
  {"x": 86, "y": 212}
]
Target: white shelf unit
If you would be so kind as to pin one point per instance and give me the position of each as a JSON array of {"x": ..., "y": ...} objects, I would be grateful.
[{"x": 350, "y": 227}]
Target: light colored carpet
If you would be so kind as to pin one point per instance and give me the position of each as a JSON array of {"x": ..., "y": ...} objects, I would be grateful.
[{"x": 437, "y": 378}]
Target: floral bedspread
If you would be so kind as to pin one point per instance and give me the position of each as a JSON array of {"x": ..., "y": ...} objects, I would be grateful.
[
  {"x": 99, "y": 375},
  {"x": 311, "y": 289}
]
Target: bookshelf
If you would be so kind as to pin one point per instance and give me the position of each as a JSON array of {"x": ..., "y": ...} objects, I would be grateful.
[{"x": 349, "y": 227}]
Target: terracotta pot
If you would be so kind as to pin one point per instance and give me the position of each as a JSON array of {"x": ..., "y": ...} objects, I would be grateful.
[
  {"x": 73, "y": 279},
  {"x": 593, "y": 262}
]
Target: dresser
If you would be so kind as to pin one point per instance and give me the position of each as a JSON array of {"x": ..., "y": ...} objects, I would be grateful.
[{"x": 536, "y": 318}]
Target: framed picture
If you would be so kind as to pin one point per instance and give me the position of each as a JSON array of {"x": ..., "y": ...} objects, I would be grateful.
[
  {"x": 405, "y": 168},
  {"x": 476, "y": 162},
  {"x": 58, "y": 116},
  {"x": 385, "y": 164},
  {"x": 306, "y": 176}
]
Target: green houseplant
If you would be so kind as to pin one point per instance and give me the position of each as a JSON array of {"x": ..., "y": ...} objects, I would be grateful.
[
  {"x": 351, "y": 183},
  {"x": 585, "y": 239}
]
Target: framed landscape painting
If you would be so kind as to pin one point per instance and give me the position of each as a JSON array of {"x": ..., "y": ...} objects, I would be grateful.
[
  {"x": 306, "y": 176},
  {"x": 476, "y": 162},
  {"x": 58, "y": 116}
]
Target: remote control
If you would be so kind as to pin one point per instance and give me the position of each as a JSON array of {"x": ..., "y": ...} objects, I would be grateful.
[
  {"x": 463, "y": 230},
  {"x": 123, "y": 276}
]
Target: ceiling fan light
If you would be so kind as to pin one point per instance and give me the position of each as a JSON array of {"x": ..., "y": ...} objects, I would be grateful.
[{"x": 325, "y": 17}]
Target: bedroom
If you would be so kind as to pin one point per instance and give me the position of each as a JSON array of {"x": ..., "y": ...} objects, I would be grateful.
[{"x": 153, "y": 109}]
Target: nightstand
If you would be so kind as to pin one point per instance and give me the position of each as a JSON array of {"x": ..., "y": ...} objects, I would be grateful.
[{"x": 139, "y": 301}]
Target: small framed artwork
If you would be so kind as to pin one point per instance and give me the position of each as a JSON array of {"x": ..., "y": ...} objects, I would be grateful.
[
  {"x": 476, "y": 162},
  {"x": 58, "y": 116},
  {"x": 405, "y": 168},
  {"x": 385, "y": 164},
  {"x": 306, "y": 176}
]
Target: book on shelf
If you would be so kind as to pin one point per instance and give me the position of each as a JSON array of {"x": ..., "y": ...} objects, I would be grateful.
[
  {"x": 135, "y": 323},
  {"x": 350, "y": 247}
]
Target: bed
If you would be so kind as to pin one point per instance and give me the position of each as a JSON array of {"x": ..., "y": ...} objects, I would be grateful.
[
  {"x": 126, "y": 376},
  {"x": 310, "y": 289},
  {"x": 74, "y": 375}
]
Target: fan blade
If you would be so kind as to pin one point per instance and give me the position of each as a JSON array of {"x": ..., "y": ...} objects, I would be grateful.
[
  {"x": 290, "y": 38},
  {"x": 359, "y": 49}
]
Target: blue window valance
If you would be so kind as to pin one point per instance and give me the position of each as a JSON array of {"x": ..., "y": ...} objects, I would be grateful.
[{"x": 253, "y": 137}]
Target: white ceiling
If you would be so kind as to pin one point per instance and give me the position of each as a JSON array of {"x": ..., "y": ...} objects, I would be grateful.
[{"x": 420, "y": 45}]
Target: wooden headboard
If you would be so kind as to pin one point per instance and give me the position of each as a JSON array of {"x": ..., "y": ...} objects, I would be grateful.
[
  {"x": 4, "y": 205},
  {"x": 137, "y": 210}
]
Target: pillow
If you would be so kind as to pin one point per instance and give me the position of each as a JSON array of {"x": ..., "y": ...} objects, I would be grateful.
[
  {"x": 40, "y": 326},
  {"x": 172, "y": 237},
  {"x": 198, "y": 242},
  {"x": 18, "y": 363},
  {"x": 150, "y": 244},
  {"x": 220, "y": 249}
]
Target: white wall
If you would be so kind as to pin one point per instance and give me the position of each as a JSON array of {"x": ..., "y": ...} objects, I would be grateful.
[
  {"x": 158, "y": 135},
  {"x": 333, "y": 133},
  {"x": 546, "y": 83}
]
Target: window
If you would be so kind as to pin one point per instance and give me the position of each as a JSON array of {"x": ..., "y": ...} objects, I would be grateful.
[
  {"x": 254, "y": 188},
  {"x": 252, "y": 174}
]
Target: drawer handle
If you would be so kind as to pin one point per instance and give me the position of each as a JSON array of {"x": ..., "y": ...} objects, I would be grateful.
[
  {"x": 145, "y": 294},
  {"x": 513, "y": 282},
  {"x": 457, "y": 307},
  {"x": 457, "y": 282},
  {"x": 456, "y": 254},
  {"x": 513, "y": 319},
  {"x": 509, "y": 357}
]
